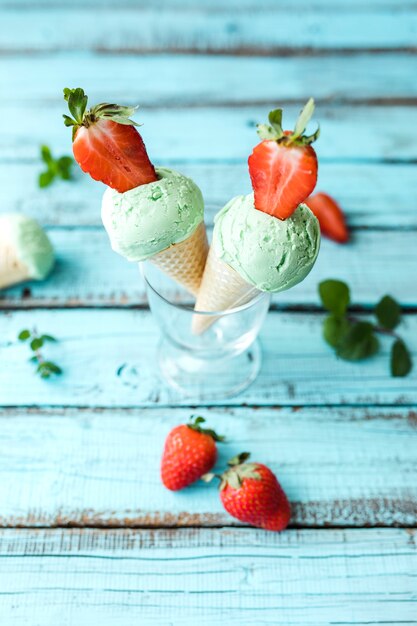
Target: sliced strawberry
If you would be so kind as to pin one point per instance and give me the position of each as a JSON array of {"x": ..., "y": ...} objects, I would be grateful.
[
  {"x": 106, "y": 143},
  {"x": 283, "y": 167},
  {"x": 330, "y": 215}
]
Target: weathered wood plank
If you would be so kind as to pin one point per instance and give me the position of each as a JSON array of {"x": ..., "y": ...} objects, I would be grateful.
[
  {"x": 95, "y": 344},
  {"x": 381, "y": 196},
  {"x": 189, "y": 576},
  {"x": 198, "y": 80},
  {"x": 343, "y": 6},
  {"x": 229, "y": 133},
  {"x": 339, "y": 467},
  {"x": 145, "y": 29},
  {"x": 88, "y": 273}
]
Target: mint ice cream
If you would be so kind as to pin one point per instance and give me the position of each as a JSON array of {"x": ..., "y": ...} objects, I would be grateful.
[
  {"x": 25, "y": 245},
  {"x": 269, "y": 253},
  {"x": 150, "y": 218}
]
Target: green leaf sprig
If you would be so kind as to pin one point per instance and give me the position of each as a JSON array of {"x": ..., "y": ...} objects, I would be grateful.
[
  {"x": 55, "y": 168},
  {"x": 354, "y": 339},
  {"x": 45, "y": 369}
]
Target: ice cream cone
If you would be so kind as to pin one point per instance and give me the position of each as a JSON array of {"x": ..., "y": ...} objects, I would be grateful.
[
  {"x": 25, "y": 250},
  {"x": 184, "y": 262},
  {"x": 12, "y": 270},
  {"x": 222, "y": 288}
]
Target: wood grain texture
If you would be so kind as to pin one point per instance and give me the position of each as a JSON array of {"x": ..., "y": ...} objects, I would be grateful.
[
  {"x": 95, "y": 344},
  {"x": 229, "y": 133},
  {"x": 375, "y": 196},
  {"x": 203, "y": 28},
  {"x": 182, "y": 577},
  {"x": 339, "y": 467},
  {"x": 88, "y": 273},
  {"x": 212, "y": 80}
]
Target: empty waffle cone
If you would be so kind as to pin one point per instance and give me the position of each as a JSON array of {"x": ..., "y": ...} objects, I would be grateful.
[
  {"x": 12, "y": 270},
  {"x": 184, "y": 262},
  {"x": 222, "y": 288}
]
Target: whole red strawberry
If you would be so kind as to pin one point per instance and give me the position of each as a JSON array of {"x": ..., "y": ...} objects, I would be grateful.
[
  {"x": 106, "y": 143},
  {"x": 251, "y": 493},
  {"x": 283, "y": 167},
  {"x": 330, "y": 215},
  {"x": 190, "y": 451}
]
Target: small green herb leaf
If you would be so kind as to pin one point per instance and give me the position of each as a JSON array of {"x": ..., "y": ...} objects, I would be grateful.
[
  {"x": 46, "y": 155},
  {"x": 46, "y": 178},
  {"x": 334, "y": 329},
  {"x": 335, "y": 296},
  {"x": 24, "y": 335},
  {"x": 401, "y": 363},
  {"x": 388, "y": 312},
  {"x": 36, "y": 344},
  {"x": 358, "y": 343},
  {"x": 51, "y": 367},
  {"x": 47, "y": 338}
]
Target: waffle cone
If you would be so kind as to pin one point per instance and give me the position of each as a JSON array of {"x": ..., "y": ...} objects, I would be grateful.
[
  {"x": 12, "y": 270},
  {"x": 222, "y": 288},
  {"x": 184, "y": 262}
]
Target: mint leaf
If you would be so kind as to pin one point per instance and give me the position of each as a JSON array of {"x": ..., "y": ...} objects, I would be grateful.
[
  {"x": 36, "y": 344},
  {"x": 401, "y": 363},
  {"x": 46, "y": 178},
  {"x": 47, "y": 338},
  {"x": 334, "y": 329},
  {"x": 335, "y": 296},
  {"x": 388, "y": 312},
  {"x": 46, "y": 155},
  {"x": 51, "y": 367},
  {"x": 358, "y": 343},
  {"x": 24, "y": 335}
]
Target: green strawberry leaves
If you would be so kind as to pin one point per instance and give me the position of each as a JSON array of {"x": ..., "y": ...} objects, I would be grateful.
[
  {"x": 353, "y": 339},
  {"x": 273, "y": 130},
  {"x": 196, "y": 422},
  {"x": 77, "y": 104},
  {"x": 55, "y": 168}
]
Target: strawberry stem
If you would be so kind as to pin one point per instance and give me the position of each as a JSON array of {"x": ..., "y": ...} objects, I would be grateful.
[
  {"x": 273, "y": 130},
  {"x": 77, "y": 104},
  {"x": 195, "y": 424}
]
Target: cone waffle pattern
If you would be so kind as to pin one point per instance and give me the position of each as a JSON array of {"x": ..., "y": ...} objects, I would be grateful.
[
  {"x": 222, "y": 288},
  {"x": 184, "y": 262}
]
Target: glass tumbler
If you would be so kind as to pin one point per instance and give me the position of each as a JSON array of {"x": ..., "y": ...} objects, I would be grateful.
[{"x": 220, "y": 362}]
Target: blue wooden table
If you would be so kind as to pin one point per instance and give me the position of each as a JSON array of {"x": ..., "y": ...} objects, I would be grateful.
[{"x": 88, "y": 534}]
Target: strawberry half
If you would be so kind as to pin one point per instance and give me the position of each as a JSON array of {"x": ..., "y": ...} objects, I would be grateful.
[
  {"x": 330, "y": 215},
  {"x": 283, "y": 167},
  {"x": 251, "y": 493},
  {"x": 106, "y": 144},
  {"x": 189, "y": 452}
]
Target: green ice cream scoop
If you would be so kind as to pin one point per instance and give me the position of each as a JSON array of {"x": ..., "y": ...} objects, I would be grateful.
[
  {"x": 269, "y": 253},
  {"x": 148, "y": 219},
  {"x": 27, "y": 243}
]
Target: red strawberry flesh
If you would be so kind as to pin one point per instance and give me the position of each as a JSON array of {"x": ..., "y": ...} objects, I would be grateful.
[
  {"x": 283, "y": 167},
  {"x": 113, "y": 154}
]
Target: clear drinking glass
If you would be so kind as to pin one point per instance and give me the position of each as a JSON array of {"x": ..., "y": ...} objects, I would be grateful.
[{"x": 220, "y": 362}]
